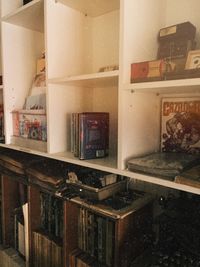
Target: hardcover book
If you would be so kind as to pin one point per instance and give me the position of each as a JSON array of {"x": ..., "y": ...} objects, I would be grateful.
[
  {"x": 180, "y": 125},
  {"x": 93, "y": 135},
  {"x": 90, "y": 134},
  {"x": 190, "y": 177}
]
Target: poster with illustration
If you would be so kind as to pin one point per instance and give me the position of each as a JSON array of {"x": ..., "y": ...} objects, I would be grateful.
[{"x": 180, "y": 125}]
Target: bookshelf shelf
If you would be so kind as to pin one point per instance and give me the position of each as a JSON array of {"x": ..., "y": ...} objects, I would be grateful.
[
  {"x": 166, "y": 87},
  {"x": 108, "y": 164},
  {"x": 99, "y": 79},
  {"x": 29, "y": 16},
  {"x": 92, "y": 8}
]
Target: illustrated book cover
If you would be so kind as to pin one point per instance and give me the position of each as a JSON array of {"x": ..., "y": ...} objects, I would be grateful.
[
  {"x": 93, "y": 135},
  {"x": 180, "y": 125}
]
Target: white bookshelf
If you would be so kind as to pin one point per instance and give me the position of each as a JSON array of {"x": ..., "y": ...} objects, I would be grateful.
[{"x": 79, "y": 38}]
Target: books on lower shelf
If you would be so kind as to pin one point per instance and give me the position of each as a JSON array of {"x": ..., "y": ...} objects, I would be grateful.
[
  {"x": 109, "y": 226},
  {"x": 51, "y": 215},
  {"x": 47, "y": 240},
  {"x": 96, "y": 236},
  {"x": 90, "y": 134},
  {"x": 46, "y": 250}
]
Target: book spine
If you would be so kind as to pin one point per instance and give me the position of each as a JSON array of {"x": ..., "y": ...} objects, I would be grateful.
[
  {"x": 100, "y": 239},
  {"x": 81, "y": 137},
  {"x": 109, "y": 242},
  {"x": 72, "y": 120},
  {"x": 76, "y": 136}
]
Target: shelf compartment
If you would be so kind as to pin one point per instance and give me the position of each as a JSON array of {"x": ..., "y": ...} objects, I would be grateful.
[
  {"x": 93, "y": 42},
  {"x": 166, "y": 87},
  {"x": 92, "y": 8},
  {"x": 109, "y": 78},
  {"x": 29, "y": 16}
]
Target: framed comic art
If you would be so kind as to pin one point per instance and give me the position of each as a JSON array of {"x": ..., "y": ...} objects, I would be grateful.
[{"x": 180, "y": 125}]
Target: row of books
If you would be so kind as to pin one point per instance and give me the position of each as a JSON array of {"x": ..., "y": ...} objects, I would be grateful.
[
  {"x": 96, "y": 236},
  {"x": 90, "y": 134},
  {"x": 47, "y": 252},
  {"x": 51, "y": 214}
]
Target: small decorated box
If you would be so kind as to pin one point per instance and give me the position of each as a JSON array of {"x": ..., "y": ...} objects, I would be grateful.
[{"x": 30, "y": 124}]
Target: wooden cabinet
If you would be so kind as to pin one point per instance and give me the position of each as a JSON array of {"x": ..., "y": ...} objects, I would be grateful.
[{"x": 107, "y": 236}]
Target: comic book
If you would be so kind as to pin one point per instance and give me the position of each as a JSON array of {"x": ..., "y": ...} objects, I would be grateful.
[{"x": 180, "y": 125}]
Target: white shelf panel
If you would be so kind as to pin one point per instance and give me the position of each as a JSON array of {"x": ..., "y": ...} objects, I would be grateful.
[
  {"x": 28, "y": 145},
  {"x": 166, "y": 87},
  {"x": 107, "y": 164},
  {"x": 92, "y": 8},
  {"x": 29, "y": 16},
  {"x": 99, "y": 79}
]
